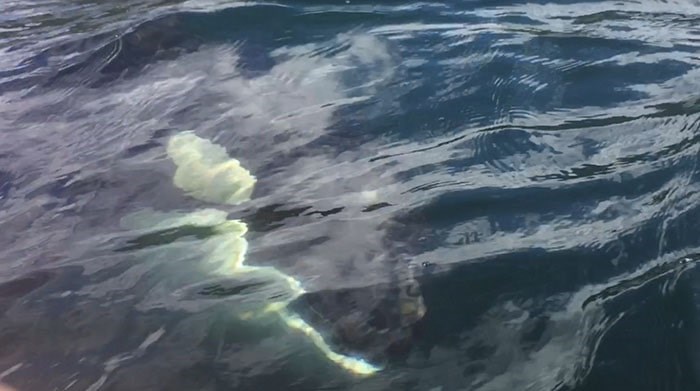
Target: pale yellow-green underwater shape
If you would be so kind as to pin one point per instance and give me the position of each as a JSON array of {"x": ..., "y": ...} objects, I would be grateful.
[
  {"x": 351, "y": 364},
  {"x": 231, "y": 245},
  {"x": 206, "y": 172}
]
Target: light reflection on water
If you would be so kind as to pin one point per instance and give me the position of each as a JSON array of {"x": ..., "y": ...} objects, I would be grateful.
[{"x": 531, "y": 166}]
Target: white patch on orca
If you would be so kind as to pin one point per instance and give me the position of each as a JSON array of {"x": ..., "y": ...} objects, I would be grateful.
[
  {"x": 200, "y": 166},
  {"x": 206, "y": 172}
]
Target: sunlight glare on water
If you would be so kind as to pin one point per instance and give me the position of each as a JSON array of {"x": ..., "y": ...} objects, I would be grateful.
[{"x": 461, "y": 195}]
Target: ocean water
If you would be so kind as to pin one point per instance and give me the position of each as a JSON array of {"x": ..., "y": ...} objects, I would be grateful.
[{"x": 459, "y": 195}]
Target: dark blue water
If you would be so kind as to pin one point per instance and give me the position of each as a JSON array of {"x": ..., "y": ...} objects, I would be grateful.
[{"x": 528, "y": 170}]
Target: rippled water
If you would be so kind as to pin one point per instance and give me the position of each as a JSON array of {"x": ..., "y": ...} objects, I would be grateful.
[{"x": 529, "y": 170}]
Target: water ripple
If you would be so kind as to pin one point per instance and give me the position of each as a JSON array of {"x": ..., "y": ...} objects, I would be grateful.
[{"x": 528, "y": 169}]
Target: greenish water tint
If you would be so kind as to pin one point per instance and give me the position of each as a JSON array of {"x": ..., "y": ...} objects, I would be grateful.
[{"x": 525, "y": 170}]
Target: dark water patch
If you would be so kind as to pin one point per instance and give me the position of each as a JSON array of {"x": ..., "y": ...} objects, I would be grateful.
[
  {"x": 167, "y": 236},
  {"x": 460, "y": 205},
  {"x": 220, "y": 291},
  {"x": 22, "y": 286},
  {"x": 151, "y": 41},
  {"x": 6, "y": 184},
  {"x": 451, "y": 319},
  {"x": 273, "y": 216},
  {"x": 373, "y": 207},
  {"x": 141, "y": 149},
  {"x": 325, "y": 213},
  {"x": 668, "y": 315}
]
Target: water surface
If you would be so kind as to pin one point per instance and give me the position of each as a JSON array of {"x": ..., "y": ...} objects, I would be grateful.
[{"x": 532, "y": 166}]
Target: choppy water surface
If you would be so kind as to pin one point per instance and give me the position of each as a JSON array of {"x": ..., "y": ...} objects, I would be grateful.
[{"x": 525, "y": 172}]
